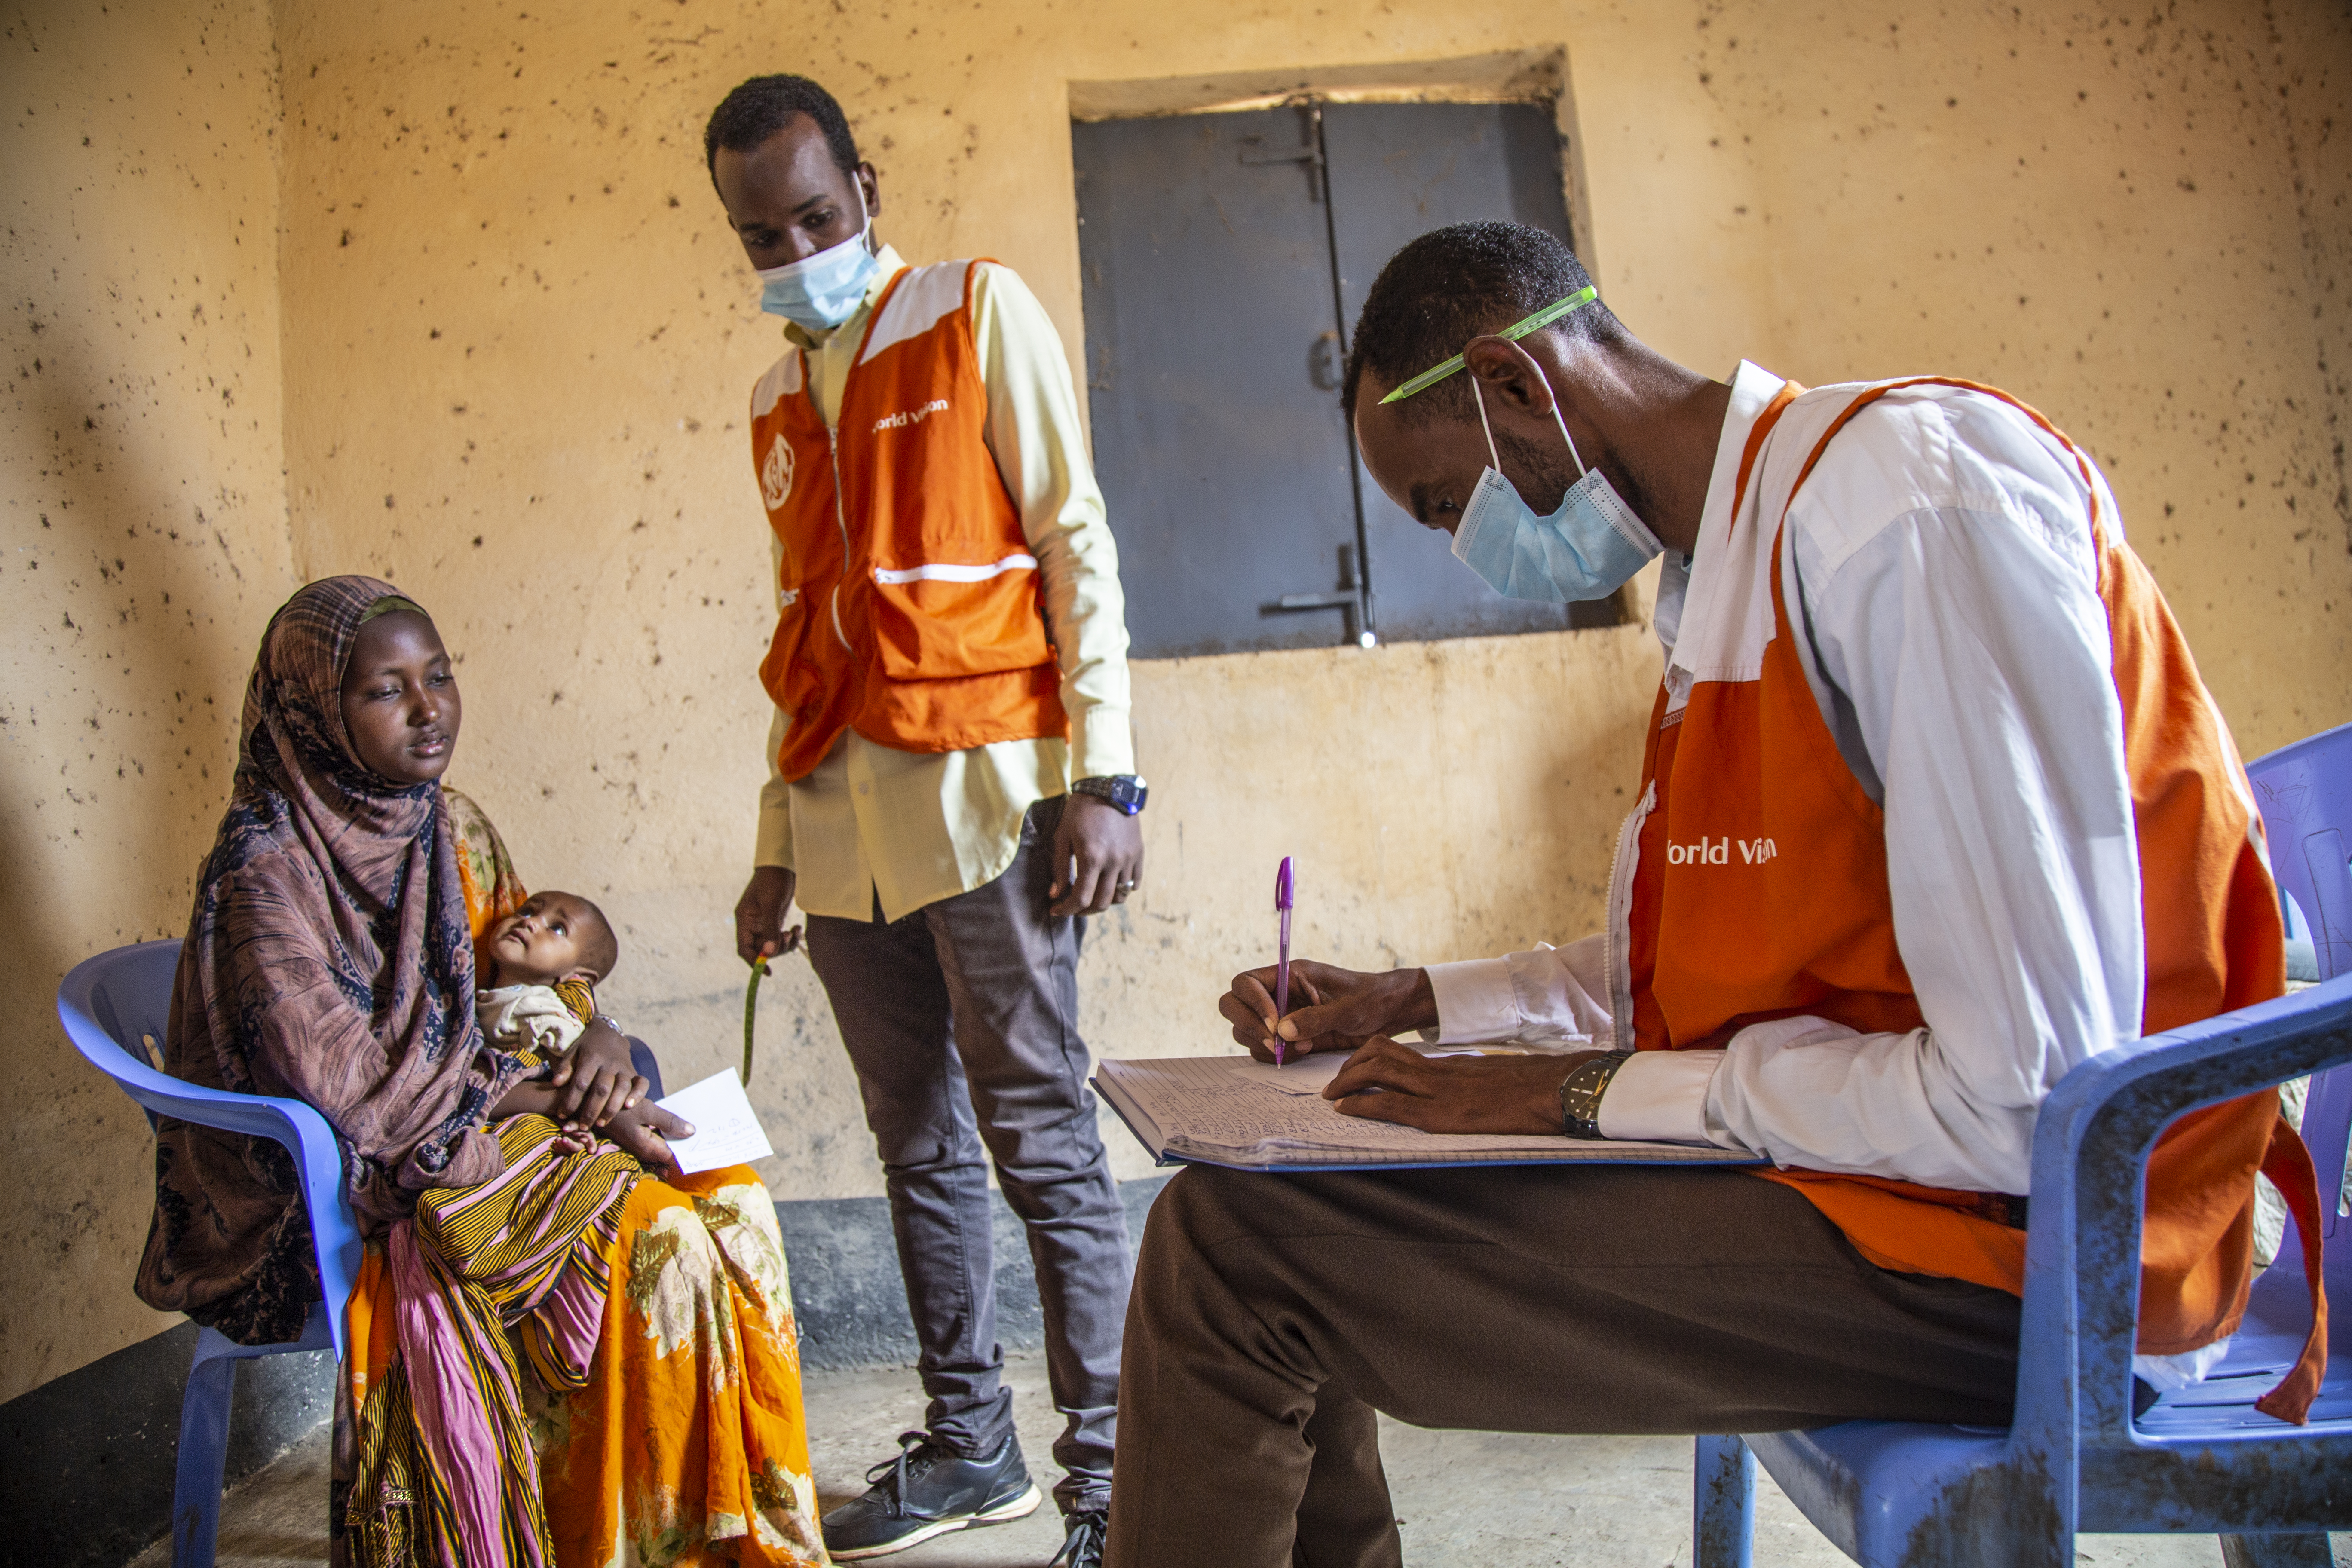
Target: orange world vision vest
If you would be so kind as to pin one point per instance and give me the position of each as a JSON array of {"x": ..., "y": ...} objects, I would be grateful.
[
  {"x": 907, "y": 594},
  {"x": 1715, "y": 942}
]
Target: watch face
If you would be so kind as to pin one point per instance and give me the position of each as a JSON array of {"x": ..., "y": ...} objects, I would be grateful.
[{"x": 1122, "y": 790}]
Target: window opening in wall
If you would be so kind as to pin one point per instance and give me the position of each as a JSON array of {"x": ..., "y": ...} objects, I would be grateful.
[{"x": 1225, "y": 256}]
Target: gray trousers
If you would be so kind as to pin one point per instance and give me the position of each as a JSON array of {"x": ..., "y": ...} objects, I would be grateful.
[
  {"x": 1274, "y": 1315},
  {"x": 969, "y": 1006}
]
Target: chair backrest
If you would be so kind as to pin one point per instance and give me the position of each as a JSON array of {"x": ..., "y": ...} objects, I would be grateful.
[
  {"x": 114, "y": 1006},
  {"x": 127, "y": 996},
  {"x": 2326, "y": 1132},
  {"x": 2304, "y": 792}
]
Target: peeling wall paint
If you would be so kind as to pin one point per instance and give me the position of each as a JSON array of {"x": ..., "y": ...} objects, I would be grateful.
[
  {"x": 143, "y": 542},
  {"x": 517, "y": 342}
]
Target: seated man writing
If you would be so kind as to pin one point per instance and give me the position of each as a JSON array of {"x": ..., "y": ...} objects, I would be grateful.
[{"x": 1933, "y": 806}]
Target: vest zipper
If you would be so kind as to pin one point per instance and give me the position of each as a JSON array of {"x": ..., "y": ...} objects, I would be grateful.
[
  {"x": 841, "y": 521},
  {"x": 1621, "y": 909}
]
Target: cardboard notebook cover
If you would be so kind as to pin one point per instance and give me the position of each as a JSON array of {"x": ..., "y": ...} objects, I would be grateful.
[{"x": 1250, "y": 1116}]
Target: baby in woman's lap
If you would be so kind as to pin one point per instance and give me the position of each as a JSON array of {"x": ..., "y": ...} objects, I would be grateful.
[
  {"x": 538, "y": 965},
  {"x": 536, "y": 969}
]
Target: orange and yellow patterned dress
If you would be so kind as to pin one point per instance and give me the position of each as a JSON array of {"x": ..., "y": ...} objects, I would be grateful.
[{"x": 574, "y": 1364}]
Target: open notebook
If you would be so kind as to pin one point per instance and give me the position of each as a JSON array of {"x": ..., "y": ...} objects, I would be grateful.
[{"x": 1232, "y": 1110}]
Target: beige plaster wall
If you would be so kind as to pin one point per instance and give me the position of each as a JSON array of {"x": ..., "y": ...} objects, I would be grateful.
[
  {"x": 142, "y": 516},
  {"x": 519, "y": 342}
]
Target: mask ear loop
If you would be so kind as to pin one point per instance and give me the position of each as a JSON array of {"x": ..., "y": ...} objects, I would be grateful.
[
  {"x": 1561, "y": 420},
  {"x": 1479, "y": 391}
]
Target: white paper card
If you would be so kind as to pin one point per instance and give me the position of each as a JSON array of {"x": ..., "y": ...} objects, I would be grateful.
[{"x": 726, "y": 1131}]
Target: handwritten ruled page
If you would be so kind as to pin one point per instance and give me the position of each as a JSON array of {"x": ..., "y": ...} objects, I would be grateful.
[{"x": 1227, "y": 1111}]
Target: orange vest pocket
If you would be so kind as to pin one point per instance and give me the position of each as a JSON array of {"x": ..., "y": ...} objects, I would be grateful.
[{"x": 938, "y": 621}]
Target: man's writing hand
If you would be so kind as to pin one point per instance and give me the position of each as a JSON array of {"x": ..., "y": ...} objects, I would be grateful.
[
  {"x": 1331, "y": 1009},
  {"x": 1389, "y": 1082},
  {"x": 1107, "y": 846},
  {"x": 760, "y": 929}
]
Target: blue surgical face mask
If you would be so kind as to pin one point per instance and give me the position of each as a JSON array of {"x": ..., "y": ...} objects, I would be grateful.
[
  {"x": 821, "y": 292},
  {"x": 1586, "y": 549}
]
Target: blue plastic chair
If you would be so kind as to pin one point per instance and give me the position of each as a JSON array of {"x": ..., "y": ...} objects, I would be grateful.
[
  {"x": 2202, "y": 1458},
  {"x": 2305, "y": 794},
  {"x": 114, "y": 1008}
]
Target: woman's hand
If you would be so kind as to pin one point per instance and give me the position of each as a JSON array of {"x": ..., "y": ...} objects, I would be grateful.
[
  {"x": 1343, "y": 1007},
  {"x": 641, "y": 1128},
  {"x": 645, "y": 1129},
  {"x": 1389, "y": 1082},
  {"x": 596, "y": 1080}
]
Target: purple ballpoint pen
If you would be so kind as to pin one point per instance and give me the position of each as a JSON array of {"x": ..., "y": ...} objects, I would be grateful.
[{"x": 1283, "y": 890}]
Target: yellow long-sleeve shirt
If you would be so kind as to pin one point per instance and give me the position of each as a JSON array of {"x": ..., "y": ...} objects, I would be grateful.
[{"x": 916, "y": 827}]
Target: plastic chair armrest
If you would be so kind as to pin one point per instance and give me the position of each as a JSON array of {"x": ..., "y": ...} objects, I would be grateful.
[
  {"x": 318, "y": 1160},
  {"x": 2091, "y": 1144}
]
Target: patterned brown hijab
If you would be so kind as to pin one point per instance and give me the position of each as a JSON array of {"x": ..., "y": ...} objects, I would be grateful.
[{"x": 328, "y": 959}]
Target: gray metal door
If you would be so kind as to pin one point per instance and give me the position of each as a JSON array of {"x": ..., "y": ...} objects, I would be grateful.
[
  {"x": 1223, "y": 257},
  {"x": 1210, "y": 322},
  {"x": 1398, "y": 170}
]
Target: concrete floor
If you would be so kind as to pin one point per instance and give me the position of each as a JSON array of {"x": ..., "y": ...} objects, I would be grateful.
[{"x": 1464, "y": 1499}]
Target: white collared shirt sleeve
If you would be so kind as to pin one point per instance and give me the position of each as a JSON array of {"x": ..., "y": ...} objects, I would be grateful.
[
  {"x": 1032, "y": 432},
  {"x": 772, "y": 846},
  {"x": 1552, "y": 995},
  {"x": 1971, "y": 650}
]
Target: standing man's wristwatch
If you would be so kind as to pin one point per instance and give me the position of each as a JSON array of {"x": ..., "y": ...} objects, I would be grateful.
[
  {"x": 1580, "y": 1092},
  {"x": 1124, "y": 791}
]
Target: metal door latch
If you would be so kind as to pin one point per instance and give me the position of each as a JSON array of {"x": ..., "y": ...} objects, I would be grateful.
[{"x": 1348, "y": 601}]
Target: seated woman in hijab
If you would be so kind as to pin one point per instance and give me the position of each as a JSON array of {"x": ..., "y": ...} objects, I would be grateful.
[{"x": 561, "y": 1351}]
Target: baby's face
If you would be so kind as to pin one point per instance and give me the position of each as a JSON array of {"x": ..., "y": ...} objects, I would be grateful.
[{"x": 541, "y": 942}]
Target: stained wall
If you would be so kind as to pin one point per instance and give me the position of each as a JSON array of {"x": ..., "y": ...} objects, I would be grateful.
[
  {"x": 518, "y": 341},
  {"x": 143, "y": 542}
]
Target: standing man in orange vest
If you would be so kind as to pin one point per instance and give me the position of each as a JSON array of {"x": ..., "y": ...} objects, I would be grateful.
[
  {"x": 952, "y": 785},
  {"x": 1934, "y": 807}
]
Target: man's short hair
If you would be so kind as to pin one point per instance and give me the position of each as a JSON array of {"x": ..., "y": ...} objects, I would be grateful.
[
  {"x": 765, "y": 105},
  {"x": 1454, "y": 284}
]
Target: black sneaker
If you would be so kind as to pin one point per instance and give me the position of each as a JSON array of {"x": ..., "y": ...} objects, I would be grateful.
[
  {"x": 1083, "y": 1549},
  {"x": 928, "y": 1491}
]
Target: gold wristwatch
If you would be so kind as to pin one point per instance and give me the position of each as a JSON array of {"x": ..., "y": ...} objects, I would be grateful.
[{"x": 1580, "y": 1092}]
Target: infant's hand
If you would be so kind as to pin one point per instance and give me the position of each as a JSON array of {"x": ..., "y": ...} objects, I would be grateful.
[{"x": 596, "y": 1080}]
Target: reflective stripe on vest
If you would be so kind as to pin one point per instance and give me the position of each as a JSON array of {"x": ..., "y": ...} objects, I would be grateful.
[
  {"x": 1744, "y": 781},
  {"x": 907, "y": 595}
]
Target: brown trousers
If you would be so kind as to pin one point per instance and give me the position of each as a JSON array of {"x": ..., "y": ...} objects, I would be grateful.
[{"x": 1273, "y": 1315}]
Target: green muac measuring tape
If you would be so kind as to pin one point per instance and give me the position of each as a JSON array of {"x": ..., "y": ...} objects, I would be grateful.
[{"x": 751, "y": 1012}]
